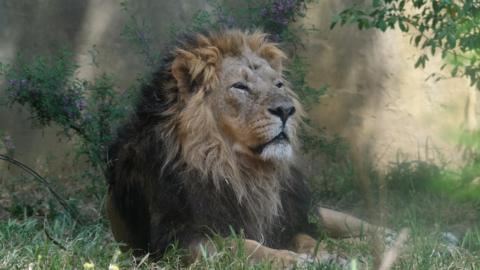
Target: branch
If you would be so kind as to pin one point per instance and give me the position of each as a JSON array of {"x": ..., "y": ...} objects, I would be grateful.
[
  {"x": 73, "y": 213},
  {"x": 54, "y": 241}
]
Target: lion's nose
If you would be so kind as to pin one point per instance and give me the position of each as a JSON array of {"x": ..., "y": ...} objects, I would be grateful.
[{"x": 284, "y": 112}]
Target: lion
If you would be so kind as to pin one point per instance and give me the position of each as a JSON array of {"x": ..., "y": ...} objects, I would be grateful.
[{"x": 211, "y": 149}]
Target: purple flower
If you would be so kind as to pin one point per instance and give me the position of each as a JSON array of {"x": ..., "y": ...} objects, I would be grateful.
[
  {"x": 12, "y": 82},
  {"x": 290, "y": 4},
  {"x": 8, "y": 143},
  {"x": 80, "y": 104},
  {"x": 281, "y": 12}
]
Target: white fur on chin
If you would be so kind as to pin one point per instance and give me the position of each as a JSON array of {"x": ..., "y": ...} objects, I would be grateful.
[{"x": 278, "y": 152}]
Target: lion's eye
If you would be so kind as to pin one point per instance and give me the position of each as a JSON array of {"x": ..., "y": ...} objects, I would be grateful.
[
  {"x": 241, "y": 86},
  {"x": 279, "y": 85}
]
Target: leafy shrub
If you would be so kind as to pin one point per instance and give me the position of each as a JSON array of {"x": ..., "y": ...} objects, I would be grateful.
[
  {"x": 48, "y": 87},
  {"x": 414, "y": 176},
  {"x": 449, "y": 27}
]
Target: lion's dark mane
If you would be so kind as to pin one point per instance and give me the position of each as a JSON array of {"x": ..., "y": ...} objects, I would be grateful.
[{"x": 162, "y": 202}]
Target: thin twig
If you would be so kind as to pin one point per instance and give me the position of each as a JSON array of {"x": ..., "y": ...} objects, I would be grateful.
[
  {"x": 73, "y": 213},
  {"x": 54, "y": 241}
]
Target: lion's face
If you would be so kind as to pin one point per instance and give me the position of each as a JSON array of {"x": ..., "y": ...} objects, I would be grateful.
[
  {"x": 256, "y": 110},
  {"x": 236, "y": 102}
]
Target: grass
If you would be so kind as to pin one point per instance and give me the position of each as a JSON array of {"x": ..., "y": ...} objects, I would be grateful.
[
  {"x": 38, "y": 234},
  {"x": 60, "y": 244},
  {"x": 26, "y": 245}
]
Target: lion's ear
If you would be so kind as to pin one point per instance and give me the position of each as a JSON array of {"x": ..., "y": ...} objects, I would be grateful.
[
  {"x": 180, "y": 68},
  {"x": 273, "y": 55},
  {"x": 196, "y": 69}
]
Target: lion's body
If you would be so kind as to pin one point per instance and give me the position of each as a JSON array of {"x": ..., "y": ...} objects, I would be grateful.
[
  {"x": 204, "y": 154},
  {"x": 186, "y": 211}
]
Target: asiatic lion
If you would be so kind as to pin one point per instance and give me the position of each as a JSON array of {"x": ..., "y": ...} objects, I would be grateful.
[{"x": 211, "y": 148}]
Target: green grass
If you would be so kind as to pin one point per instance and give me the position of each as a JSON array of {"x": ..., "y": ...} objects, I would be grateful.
[
  {"x": 60, "y": 244},
  {"x": 38, "y": 234},
  {"x": 30, "y": 242}
]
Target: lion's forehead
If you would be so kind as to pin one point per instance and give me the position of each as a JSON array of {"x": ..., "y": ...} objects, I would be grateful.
[{"x": 249, "y": 68}]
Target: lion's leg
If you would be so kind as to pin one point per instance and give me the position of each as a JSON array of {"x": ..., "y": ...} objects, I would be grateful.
[
  {"x": 257, "y": 252},
  {"x": 305, "y": 244},
  {"x": 340, "y": 225},
  {"x": 254, "y": 251}
]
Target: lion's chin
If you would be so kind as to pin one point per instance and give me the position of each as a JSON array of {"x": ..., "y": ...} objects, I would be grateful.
[{"x": 277, "y": 151}]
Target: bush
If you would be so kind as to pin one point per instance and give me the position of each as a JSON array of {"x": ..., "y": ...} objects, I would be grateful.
[{"x": 47, "y": 86}]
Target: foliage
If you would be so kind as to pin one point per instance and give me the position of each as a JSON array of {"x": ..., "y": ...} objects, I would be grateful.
[
  {"x": 423, "y": 180},
  {"x": 412, "y": 176},
  {"x": 49, "y": 88},
  {"x": 449, "y": 27},
  {"x": 333, "y": 179},
  {"x": 272, "y": 16},
  {"x": 297, "y": 75},
  {"x": 140, "y": 34}
]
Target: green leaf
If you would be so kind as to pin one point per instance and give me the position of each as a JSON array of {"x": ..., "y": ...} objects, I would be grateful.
[
  {"x": 418, "y": 39},
  {"x": 332, "y": 25},
  {"x": 451, "y": 40},
  {"x": 421, "y": 28},
  {"x": 381, "y": 25},
  {"x": 421, "y": 61},
  {"x": 402, "y": 26},
  {"x": 335, "y": 20},
  {"x": 454, "y": 71}
]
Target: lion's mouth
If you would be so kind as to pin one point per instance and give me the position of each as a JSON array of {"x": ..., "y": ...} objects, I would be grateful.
[{"x": 282, "y": 137}]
